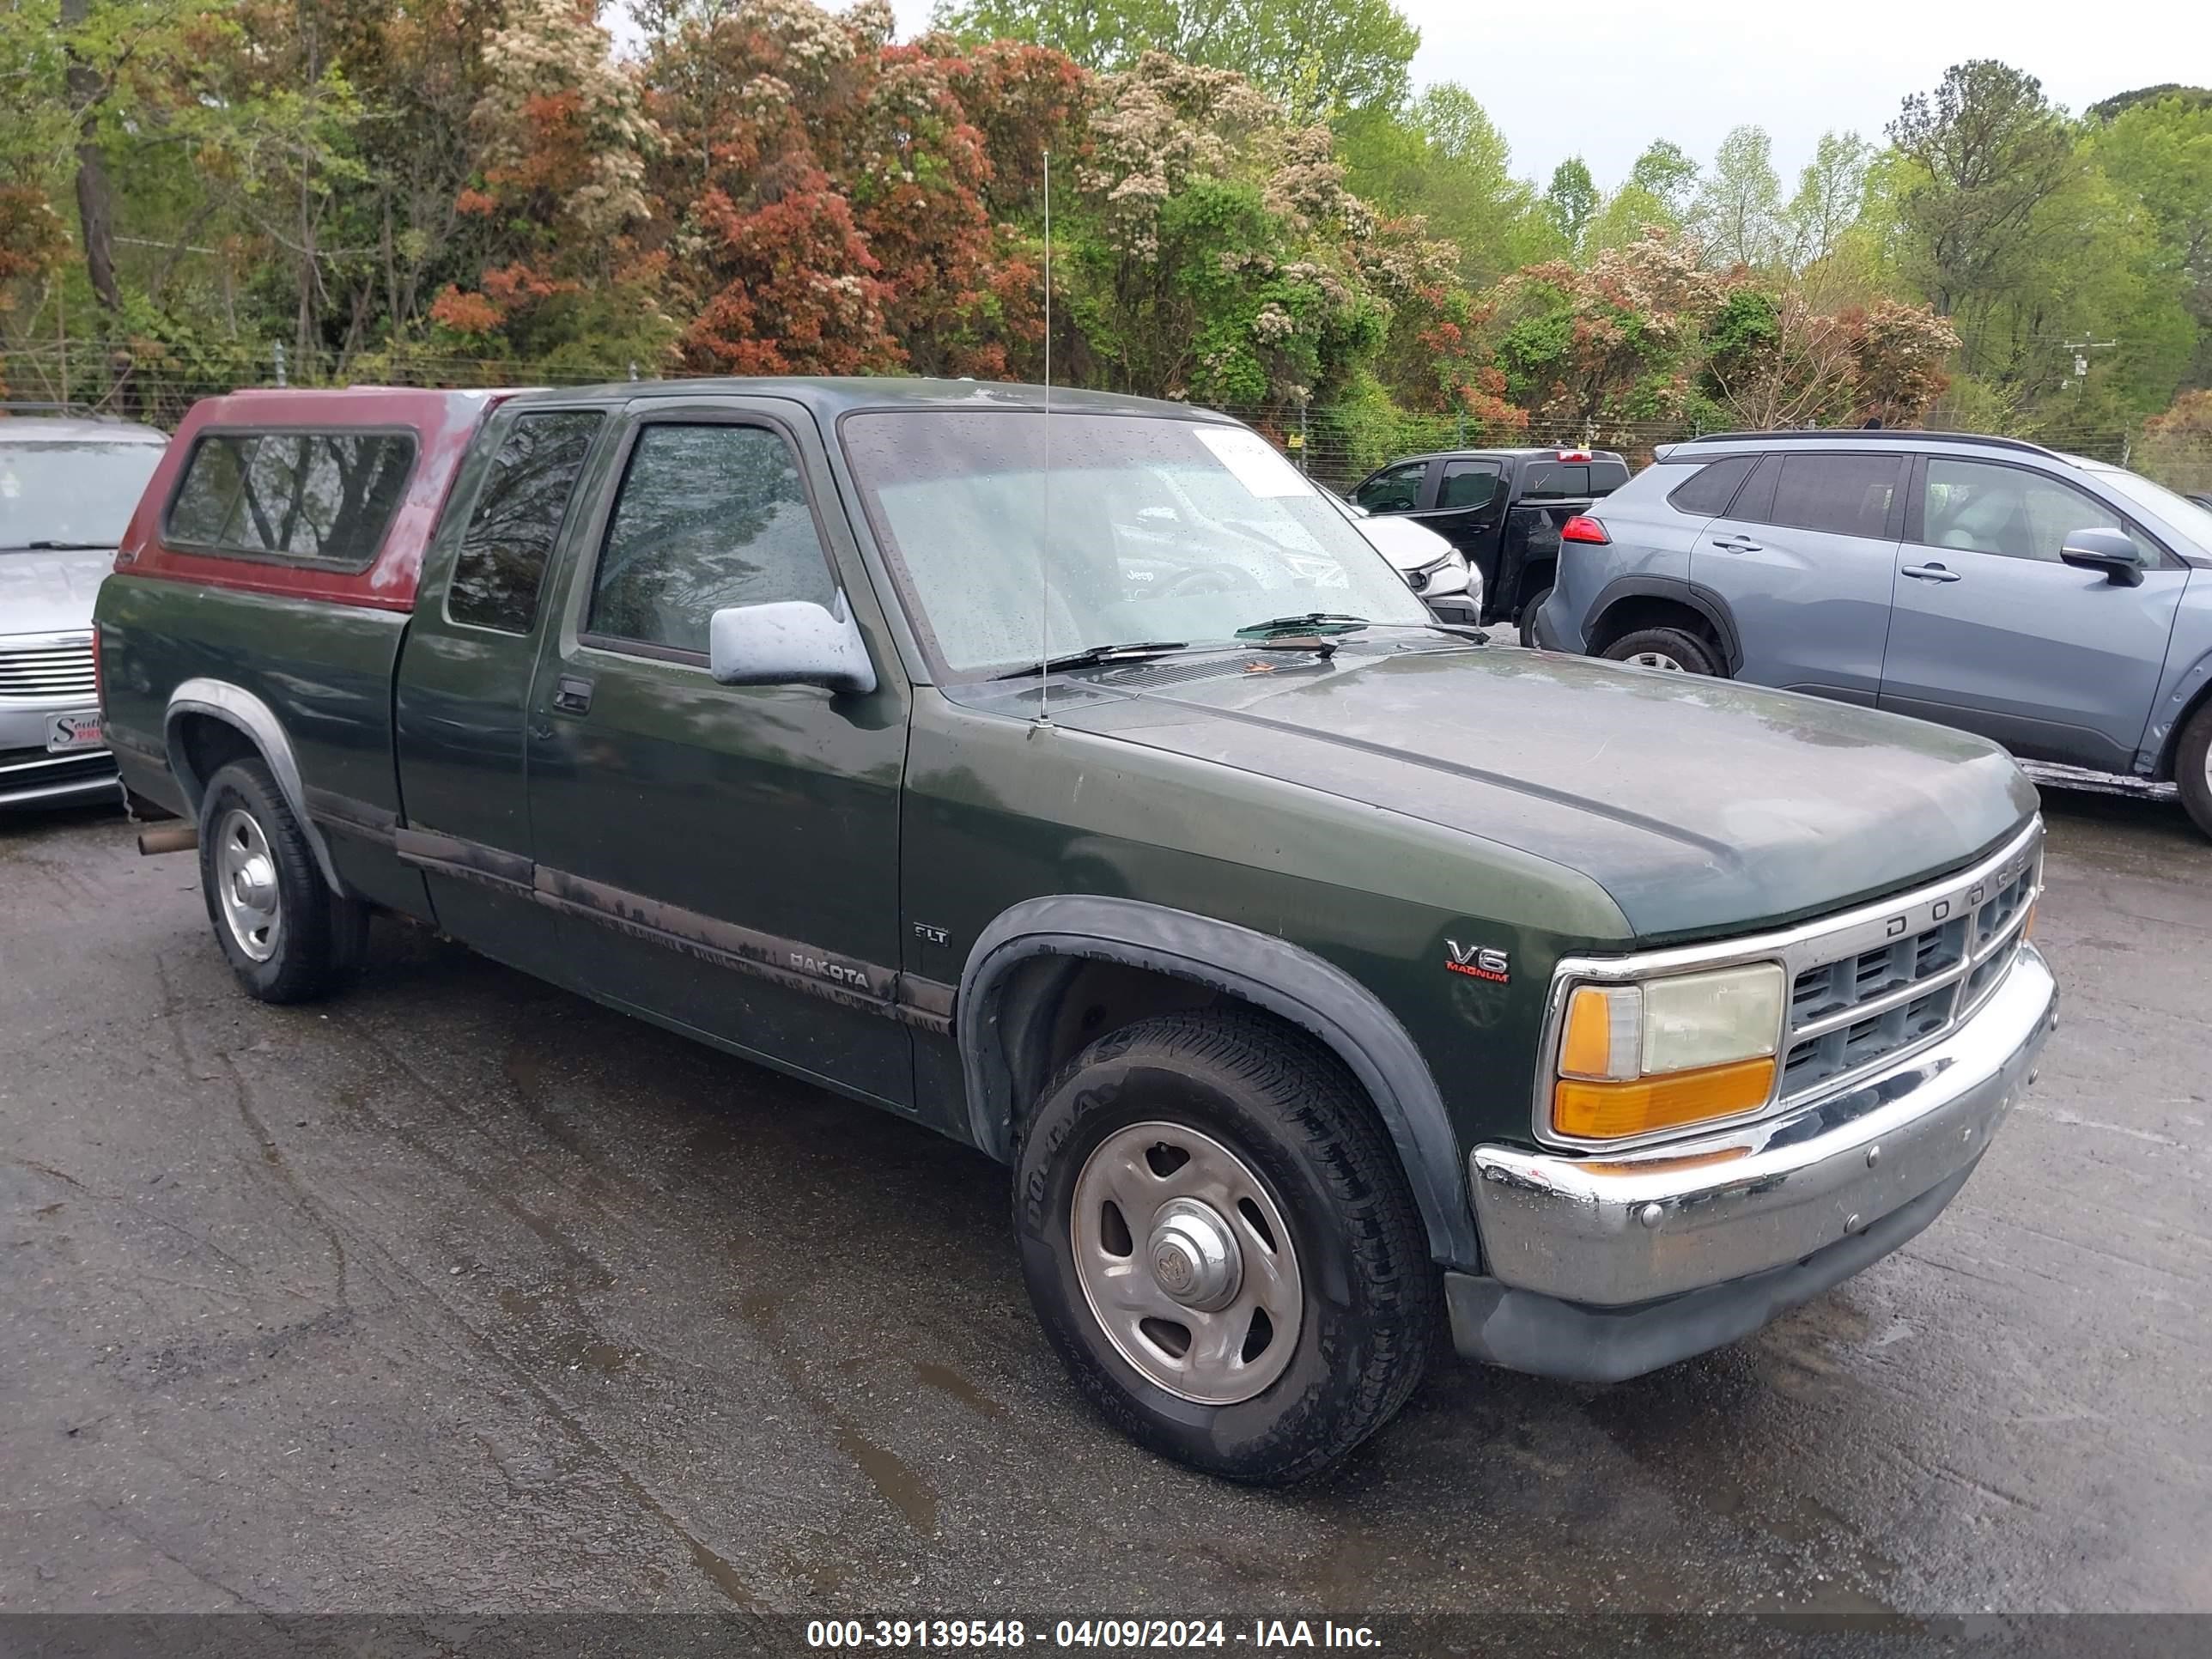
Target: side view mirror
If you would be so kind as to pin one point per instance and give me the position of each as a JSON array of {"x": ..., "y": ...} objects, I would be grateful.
[
  {"x": 2113, "y": 551},
  {"x": 790, "y": 642}
]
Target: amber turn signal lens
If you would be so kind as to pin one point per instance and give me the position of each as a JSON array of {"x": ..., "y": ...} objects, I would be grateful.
[
  {"x": 1603, "y": 1036},
  {"x": 1611, "y": 1111}
]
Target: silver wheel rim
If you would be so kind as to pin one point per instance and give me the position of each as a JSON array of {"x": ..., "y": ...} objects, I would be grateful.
[
  {"x": 245, "y": 885},
  {"x": 1658, "y": 659},
  {"x": 1187, "y": 1263}
]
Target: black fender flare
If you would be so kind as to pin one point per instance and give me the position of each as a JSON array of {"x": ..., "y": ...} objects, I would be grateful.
[
  {"x": 1703, "y": 600},
  {"x": 234, "y": 706},
  {"x": 1256, "y": 968}
]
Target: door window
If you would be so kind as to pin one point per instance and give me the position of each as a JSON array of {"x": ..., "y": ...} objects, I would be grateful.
[
  {"x": 1470, "y": 483},
  {"x": 1979, "y": 506},
  {"x": 1396, "y": 490},
  {"x": 1843, "y": 494},
  {"x": 708, "y": 517},
  {"x": 517, "y": 517}
]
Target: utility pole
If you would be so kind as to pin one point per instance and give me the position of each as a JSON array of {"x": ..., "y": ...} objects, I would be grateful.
[{"x": 2082, "y": 349}]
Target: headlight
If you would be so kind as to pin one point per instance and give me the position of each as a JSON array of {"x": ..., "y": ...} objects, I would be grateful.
[
  {"x": 1667, "y": 1051},
  {"x": 1445, "y": 575}
]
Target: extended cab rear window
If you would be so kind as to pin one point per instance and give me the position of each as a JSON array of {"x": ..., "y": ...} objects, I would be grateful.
[
  {"x": 1570, "y": 481},
  {"x": 322, "y": 498}
]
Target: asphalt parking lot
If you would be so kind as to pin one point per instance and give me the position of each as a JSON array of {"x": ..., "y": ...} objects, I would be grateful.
[{"x": 462, "y": 1293}]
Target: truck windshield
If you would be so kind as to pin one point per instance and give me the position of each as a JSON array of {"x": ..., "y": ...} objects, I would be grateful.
[
  {"x": 65, "y": 494},
  {"x": 1160, "y": 529}
]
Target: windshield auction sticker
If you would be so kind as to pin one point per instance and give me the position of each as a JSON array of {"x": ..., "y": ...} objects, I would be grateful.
[{"x": 1258, "y": 466}]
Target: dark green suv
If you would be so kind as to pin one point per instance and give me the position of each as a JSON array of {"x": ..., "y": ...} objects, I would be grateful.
[{"x": 1084, "y": 787}]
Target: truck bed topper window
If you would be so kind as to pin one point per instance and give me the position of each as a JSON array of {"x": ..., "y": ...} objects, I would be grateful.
[{"x": 294, "y": 496}]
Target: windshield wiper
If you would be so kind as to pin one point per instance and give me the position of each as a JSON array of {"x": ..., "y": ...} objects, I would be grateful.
[
  {"x": 68, "y": 547},
  {"x": 1091, "y": 656},
  {"x": 1313, "y": 621}
]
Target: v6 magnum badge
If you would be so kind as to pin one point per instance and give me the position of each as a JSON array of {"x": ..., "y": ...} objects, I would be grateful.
[{"x": 1477, "y": 962}]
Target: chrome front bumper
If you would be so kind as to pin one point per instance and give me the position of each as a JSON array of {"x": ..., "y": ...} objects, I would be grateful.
[{"x": 1610, "y": 1233}]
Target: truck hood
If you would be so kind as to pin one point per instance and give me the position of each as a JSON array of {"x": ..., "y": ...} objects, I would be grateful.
[
  {"x": 1701, "y": 806},
  {"x": 50, "y": 592}
]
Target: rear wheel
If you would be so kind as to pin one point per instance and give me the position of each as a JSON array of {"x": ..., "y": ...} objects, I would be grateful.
[
  {"x": 288, "y": 937},
  {"x": 2192, "y": 767},
  {"x": 1671, "y": 650},
  {"x": 1528, "y": 616},
  {"x": 1220, "y": 1241}
]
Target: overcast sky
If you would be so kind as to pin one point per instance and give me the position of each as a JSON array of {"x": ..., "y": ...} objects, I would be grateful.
[{"x": 1603, "y": 81}]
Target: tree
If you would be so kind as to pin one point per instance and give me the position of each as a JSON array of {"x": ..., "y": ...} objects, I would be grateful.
[
  {"x": 1317, "y": 57},
  {"x": 1739, "y": 208},
  {"x": 1621, "y": 340},
  {"x": 1666, "y": 173},
  {"x": 1990, "y": 153},
  {"x": 1441, "y": 159},
  {"x": 1831, "y": 196},
  {"x": 2159, "y": 152},
  {"x": 1572, "y": 199}
]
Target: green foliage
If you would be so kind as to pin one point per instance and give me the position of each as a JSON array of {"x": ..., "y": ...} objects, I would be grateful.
[
  {"x": 1263, "y": 214},
  {"x": 1572, "y": 199},
  {"x": 1316, "y": 57}
]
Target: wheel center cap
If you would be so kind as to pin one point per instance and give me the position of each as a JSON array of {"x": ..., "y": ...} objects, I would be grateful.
[
  {"x": 1194, "y": 1254},
  {"x": 255, "y": 885}
]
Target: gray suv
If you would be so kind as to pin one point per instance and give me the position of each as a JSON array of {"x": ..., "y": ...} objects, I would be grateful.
[{"x": 2059, "y": 606}]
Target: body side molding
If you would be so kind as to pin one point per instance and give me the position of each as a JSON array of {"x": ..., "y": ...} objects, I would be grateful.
[
  {"x": 1256, "y": 968},
  {"x": 233, "y": 706}
]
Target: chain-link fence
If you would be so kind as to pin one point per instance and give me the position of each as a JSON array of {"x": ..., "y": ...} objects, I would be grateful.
[{"x": 1337, "y": 445}]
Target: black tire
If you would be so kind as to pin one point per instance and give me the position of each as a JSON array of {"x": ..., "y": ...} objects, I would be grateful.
[
  {"x": 1371, "y": 1295},
  {"x": 1529, "y": 618},
  {"x": 2192, "y": 767},
  {"x": 1675, "y": 644},
  {"x": 319, "y": 938}
]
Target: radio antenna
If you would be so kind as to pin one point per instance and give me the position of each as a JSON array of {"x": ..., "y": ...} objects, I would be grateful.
[{"x": 1044, "y": 540}]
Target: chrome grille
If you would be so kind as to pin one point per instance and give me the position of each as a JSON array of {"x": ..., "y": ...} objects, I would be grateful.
[
  {"x": 1854, "y": 1009},
  {"x": 1867, "y": 988},
  {"x": 49, "y": 669}
]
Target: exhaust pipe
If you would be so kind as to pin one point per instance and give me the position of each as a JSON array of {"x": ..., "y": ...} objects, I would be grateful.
[{"x": 167, "y": 838}]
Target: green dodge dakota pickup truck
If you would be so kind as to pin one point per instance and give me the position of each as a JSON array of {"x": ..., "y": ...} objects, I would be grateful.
[{"x": 1081, "y": 785}]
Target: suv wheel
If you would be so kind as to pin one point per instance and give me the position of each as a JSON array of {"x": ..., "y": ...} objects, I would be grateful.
[
  {"x": 1671, "y": 650},
  {"x": 1219, "y": 1238},
  {"x": 289, "y": 938},
  {"x": 2192, "y": 767}
]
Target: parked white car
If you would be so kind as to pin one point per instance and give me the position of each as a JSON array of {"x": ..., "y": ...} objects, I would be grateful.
[
  {"x": 67, "y": 487},
  {"x": 1432, "y": 567}
]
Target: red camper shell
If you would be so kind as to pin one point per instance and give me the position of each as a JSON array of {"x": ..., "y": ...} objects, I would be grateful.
[{"x": 232, "y": 501}]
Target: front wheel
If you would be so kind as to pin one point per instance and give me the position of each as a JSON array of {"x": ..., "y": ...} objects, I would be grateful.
[
  {"x": 288, "y": 937},
  {"x": 1220, "y": 1241},
  {"x": 1671, "y": 650},
  {"x": 2192, "y": 768}
]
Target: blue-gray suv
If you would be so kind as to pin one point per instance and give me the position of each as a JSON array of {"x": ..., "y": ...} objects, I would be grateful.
[{"x": 2059, "y": 606}]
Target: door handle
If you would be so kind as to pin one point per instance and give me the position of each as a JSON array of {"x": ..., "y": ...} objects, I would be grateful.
[
  {"x": 572, "y": 695},
  {"x": 1736, "y": 544},
  {"x": 1931, "y": 573}
]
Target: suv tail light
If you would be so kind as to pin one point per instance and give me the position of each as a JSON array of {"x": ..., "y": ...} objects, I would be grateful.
[
  {"x": 1574, "y": 454},
  {"x": 1583, "y": 528}
]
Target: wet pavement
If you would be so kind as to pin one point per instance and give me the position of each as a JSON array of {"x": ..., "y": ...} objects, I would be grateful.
[{"x": 464, "y": 1293}]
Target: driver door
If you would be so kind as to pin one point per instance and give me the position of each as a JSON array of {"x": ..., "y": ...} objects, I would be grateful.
[
  {"x": 1991, "y": 632},
  {"x": 724, "y": 859}
]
